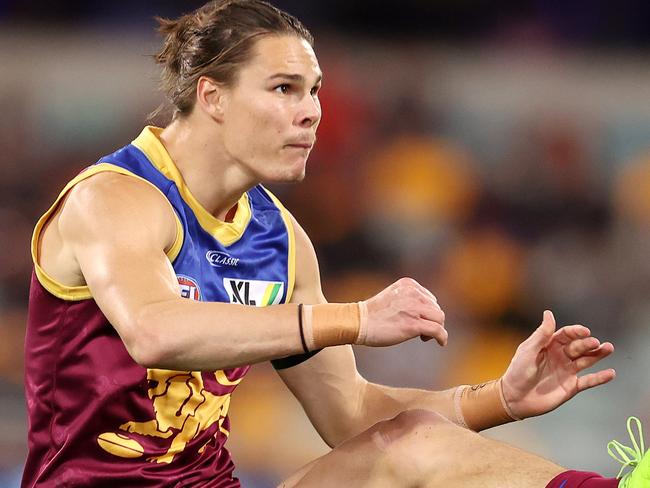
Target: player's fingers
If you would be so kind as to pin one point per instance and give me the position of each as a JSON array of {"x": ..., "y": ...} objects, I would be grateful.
[
  {"x": 432, "y": 330},
  {"x": 411, "y": 284},
  {"x": 595, "y": 379},
  {"x": 542, "y": 335},
  {"x": 425, "y": 291},
  {"x": 431, "y": 312},
  {"x": 425, "y": 296},
  {"x": 570, "y": 333},
  {"x": 592, "y": 357},
  {"x": 579, "y": 347}
]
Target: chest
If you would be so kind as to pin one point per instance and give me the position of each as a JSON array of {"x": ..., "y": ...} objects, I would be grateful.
[{"x": 251, "y": 271}]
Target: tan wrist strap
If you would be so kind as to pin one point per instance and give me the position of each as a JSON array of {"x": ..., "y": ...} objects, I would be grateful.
[
  {"x": 331, "y": 324},
  {"x": 482, "y": 406}
]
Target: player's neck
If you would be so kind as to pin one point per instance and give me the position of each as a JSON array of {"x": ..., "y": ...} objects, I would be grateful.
[{"x": 212, "y": 177}]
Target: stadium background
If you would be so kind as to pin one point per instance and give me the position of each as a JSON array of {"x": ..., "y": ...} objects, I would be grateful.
[{"x": 498, "y": 152}]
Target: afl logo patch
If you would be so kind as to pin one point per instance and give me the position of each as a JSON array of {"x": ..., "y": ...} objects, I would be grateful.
[{"x": 189, "y": 288}]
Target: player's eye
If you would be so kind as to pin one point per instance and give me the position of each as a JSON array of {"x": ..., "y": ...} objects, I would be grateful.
[
  {"x": 284, "y": 88},
  {"x": 314, "y": 91}
]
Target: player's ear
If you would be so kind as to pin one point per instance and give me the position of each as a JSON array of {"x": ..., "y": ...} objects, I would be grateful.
[{"x": 210, "y": 97}]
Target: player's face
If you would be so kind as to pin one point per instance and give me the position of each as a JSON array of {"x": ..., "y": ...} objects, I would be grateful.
[{"x": 272, "y": 111}]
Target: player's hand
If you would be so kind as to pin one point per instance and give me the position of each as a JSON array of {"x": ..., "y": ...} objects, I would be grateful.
[
  {"x": 401, "y": 312},
  {"x": 543, "y": 373}
]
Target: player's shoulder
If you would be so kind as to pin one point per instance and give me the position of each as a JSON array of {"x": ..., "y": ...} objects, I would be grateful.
[
  {"x": 113, "y": 191},
  {"x": 109, "y": 184},
  {"x": 123, "y": 201}
]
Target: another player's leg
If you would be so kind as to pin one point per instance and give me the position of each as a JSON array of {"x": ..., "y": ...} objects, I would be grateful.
[
  {"x": 423, "y": 449},
  {"x": 420, "y": 448}
]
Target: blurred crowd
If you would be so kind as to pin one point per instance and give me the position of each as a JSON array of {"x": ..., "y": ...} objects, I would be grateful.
[{"x": 507, "y": 177}]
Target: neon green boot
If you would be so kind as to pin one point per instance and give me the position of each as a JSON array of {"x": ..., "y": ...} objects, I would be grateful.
[{"x": 637, "y": 458}]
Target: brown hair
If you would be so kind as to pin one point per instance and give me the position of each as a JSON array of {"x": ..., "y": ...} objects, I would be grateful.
[{"x": 214, "y": 41}]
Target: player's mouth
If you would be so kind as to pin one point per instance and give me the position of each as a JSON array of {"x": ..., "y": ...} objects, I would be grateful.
[{"x": 301, "y": 144}]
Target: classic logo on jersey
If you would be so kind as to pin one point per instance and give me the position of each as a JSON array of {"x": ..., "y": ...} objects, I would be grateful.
[
  {"x": 254, "y": 292},
  {"x": 219, "y": 259},
  {"x": 189, "y": 288}
]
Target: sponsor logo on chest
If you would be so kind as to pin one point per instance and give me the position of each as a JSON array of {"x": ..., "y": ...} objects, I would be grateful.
[
  {"x": 220, "y": 259},
  {"x": 257, "y": 293}
]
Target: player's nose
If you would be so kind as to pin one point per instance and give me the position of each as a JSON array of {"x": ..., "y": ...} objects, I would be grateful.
[{"x": 309, "y": 113}]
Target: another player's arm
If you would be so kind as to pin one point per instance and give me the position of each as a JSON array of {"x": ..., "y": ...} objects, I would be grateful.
[
  {"x": 117, "y": 229},
  {"x": 341, "y": 403}
]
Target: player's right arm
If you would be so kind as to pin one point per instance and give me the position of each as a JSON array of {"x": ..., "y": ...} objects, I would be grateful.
[{"x": 113, "y": 231}]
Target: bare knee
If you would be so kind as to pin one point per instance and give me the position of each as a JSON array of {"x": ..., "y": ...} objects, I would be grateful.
[
  {"x": 409, "y": 424},
  {"x": 417, "y": 444}
]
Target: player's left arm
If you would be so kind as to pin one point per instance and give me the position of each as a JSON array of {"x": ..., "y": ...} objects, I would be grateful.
[{"x": 340, "y": 403}]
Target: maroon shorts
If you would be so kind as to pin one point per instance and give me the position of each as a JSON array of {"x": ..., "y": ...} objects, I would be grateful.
[{"x": 582, "y": 479}]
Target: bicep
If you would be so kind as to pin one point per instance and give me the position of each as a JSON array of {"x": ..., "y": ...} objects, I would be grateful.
[{"x": 118, "y": 229}]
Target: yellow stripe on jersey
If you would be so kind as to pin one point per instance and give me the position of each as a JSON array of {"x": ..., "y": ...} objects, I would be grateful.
[
  {"x": 267, "y": 294},
  {"x": 226, "y": 233},
  {"x": 291, "y": 258},
  {"x": 77, "y": 293},
  {"x": 222, "y": 379}
]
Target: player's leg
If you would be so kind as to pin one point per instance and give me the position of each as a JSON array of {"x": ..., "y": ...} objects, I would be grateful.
[{"x": 422, "y": 449}]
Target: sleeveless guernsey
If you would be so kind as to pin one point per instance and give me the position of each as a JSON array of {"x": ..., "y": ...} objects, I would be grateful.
[{"x": 96, "y": 417}]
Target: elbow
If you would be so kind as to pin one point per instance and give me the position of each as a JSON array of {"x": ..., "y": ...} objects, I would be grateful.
[
  {"x": 145, "y": 344},
  {"x": 348, "y": 424},
  {"x": 340, "y": 433},
  {"x": 334, "y": 439},
  {"x": 355, "y": 419},
  {"x": 145, "y": 355}
]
